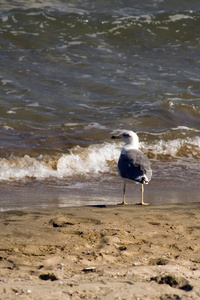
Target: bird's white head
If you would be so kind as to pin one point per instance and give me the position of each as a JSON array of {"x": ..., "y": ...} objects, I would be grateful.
[{"x": 130, "y": 138}]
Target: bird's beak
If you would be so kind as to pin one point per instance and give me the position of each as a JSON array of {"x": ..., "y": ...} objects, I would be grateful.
[{"x": 115, "y": 137}]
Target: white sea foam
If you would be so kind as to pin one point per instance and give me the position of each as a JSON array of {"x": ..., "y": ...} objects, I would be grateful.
[
  {"x": 8, "y": 127},
  {"x": 185, "y": 128},
  {"x": 17, "y": 168},
  {"x": 81, "y": 161},
  {"x": 178, "y": 17},
  {"x": 94, "y": 125},
  {"x": 5, "y": 81},
  {"x": 34, "y": 104},
  {"x": 187, "y": 147},
  {"x": 92, "y": 160},
  {"x": 11, "y": 112},
  {"x": 95, "y": 159}
]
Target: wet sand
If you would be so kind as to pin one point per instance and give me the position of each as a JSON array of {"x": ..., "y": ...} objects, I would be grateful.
[{"x": 102, "y": 252}]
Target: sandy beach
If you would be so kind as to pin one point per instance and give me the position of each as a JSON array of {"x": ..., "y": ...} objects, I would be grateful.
[{"x": 101, "y": 252}]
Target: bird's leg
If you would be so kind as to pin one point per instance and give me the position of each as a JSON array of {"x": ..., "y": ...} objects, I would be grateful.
[
  {"x": 142, "y": 200},
  {"x": 142, "y": 190},
  {"x": 124, "y": 191}
]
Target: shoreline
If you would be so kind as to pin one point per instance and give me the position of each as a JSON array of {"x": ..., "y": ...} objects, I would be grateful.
[
  {"x": 33, "y": 194},
  {"x": 101, "y": 252}
]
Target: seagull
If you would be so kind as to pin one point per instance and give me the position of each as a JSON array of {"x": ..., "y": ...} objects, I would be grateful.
[{"x": 133, "y": 164}]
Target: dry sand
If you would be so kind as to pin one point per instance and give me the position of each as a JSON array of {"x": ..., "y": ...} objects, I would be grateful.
[{"x": 113, "y": 252}]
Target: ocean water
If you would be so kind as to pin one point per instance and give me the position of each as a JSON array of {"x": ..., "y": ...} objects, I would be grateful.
[{"x": 74, "y": 72}]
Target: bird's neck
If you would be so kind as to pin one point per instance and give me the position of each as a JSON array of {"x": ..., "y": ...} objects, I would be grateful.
[{"x": 132, "y": 146}]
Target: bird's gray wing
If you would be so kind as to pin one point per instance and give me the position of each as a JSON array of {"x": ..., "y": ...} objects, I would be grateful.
[{"x": 134, "y": 165}]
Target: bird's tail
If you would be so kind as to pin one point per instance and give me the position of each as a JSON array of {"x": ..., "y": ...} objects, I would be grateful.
[{"x": 144, "y": 180}]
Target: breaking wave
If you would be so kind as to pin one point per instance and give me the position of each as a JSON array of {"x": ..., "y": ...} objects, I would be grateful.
[
  {"x": 95, "y": 159},
  {"x": 185, "y": 148}
]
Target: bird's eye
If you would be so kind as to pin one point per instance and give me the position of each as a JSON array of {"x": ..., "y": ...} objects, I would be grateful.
[{"x": 126, "y": 135}]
